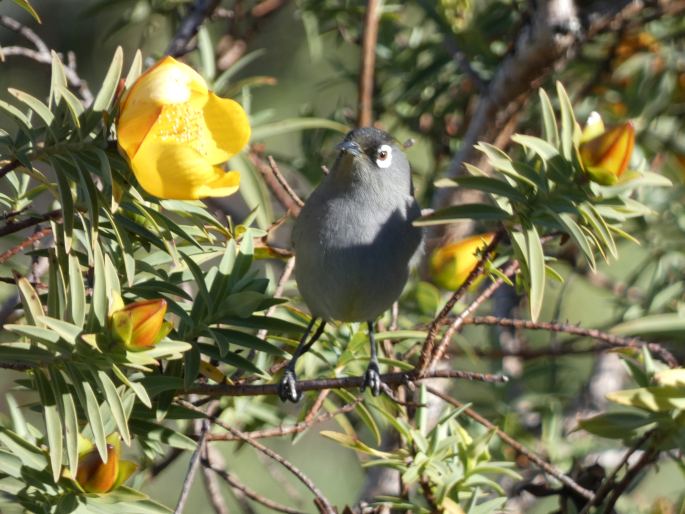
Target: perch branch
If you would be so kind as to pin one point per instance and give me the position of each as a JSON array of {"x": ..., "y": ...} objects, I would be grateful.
[
  {"x": 546, "y": 466},
  {"x": 610, "y": 339},
  {"x": 197, "y": 14},
  {"x": 339, "y": 383},
  {"x": 321, "y": 499},
  {"x": 36, "y": 236}
]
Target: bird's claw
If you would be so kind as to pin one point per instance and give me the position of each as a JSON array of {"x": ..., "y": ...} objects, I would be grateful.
[
  {"x": 372, "y": 379},
  {"x": 287, "y": 388}
]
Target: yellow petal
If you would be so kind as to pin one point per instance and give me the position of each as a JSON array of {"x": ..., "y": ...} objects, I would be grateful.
[
  {"x": 176, "y": 171},
  {"x": 451, "y": 264},
  {"x": 169, "y": 82},
  {"x": 593, "y": 128},
  {"x": 228, "y": 124}
]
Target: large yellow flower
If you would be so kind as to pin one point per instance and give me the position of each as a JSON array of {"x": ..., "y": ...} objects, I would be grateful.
[{"x": 176, "y": 132}]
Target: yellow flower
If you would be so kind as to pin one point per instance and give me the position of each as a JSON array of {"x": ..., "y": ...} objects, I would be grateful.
[
  {"x": 605, "y": 154},
  {"x": 140, "y": 325},
  {"x": 175, "y": 133},
  {"x": 451, "y": 264},
  {"x": 95, "y": 476}
]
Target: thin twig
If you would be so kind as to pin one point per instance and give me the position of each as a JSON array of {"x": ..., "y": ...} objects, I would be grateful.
[
  {"x": 284, "y": 183},
  {"x": 11, "y": 228},
  {"x": 266, "y": 451},
  {"x": 647, "y": 458},
  {"x": 368, "y": 63},
  {"x": 290, "y": 429},
  {"x": 339, "y": 383},
  {"x": 609, "y": 339},
  {"x": 458, "y": 321},
  {"x": 546, "y": 466},
  {"x": 239, "y": 486},
  {"x": 25, "y": 31},
  {"x": 10, "y": 166},
  {"x": 428, "y": 348},
  {"x": 36, "y": 236},
  {"x": 609, "y": 481},
  {"x": 192, "y": 469},
  {"x": 212, "y": 458}
]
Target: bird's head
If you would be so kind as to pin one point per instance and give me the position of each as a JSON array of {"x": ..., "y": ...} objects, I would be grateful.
[{"x": 372, "y": 156}]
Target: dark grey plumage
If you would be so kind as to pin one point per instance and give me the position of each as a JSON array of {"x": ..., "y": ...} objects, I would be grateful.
[{"x": 354, "y": 238}]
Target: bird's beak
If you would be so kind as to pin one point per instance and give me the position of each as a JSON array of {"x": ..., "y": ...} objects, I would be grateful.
[{"x": 351, "y": 147}]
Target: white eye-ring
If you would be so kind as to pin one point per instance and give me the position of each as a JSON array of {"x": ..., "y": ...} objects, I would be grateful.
[{"x": 384, "y": 156}]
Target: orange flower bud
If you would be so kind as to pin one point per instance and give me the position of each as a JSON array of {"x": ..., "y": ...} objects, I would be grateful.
[
  {"x": 451, "y": 264},
  {"x": 95, "y": 476},
  {"x": 606, "y": 156},
  {"x": 140, "y": 325}
]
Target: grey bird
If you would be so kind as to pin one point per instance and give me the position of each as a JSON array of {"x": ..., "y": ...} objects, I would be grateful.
[{"x": 353, "y": 241}]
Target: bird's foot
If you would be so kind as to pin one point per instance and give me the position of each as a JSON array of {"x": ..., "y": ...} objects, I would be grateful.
[
  {"x": 372, "y": 379},
  {"x": 287, "y": 388}
]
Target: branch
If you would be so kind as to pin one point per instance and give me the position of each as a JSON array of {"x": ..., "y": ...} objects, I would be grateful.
[
  {"x": 646, "y": 458},
  {"x": 428, "y": 348},
  {"x": 198, "y": 12},
  {"x": 546, "y": 466},
  {"x": 36, "y": 236},
  {"x": 25, "y": 31},
  {"x": 236, "y": 484},
  {"x": 339, "y": 383},
  {"x": 609, "y": 481},
  {"x": 192, "y": 469},
  {"x": 10, "y": 166},
  {"x": 610, "y": 339},
  {"x": 11, "y": 228},
  {"x": 291, "y": 429},
  {"x": 368, "y": 62},
  {"x": 320, "y": 499}
]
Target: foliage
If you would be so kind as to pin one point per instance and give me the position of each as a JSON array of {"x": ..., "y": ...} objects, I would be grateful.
[{"x": 230, "y": 325}]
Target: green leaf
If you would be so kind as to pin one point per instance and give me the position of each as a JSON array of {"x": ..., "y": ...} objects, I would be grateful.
[
  {"x": 71, "y": 431},
  {"x": 541, "y": 147},
  {"x": 487, "y": 184},
  {"x": 135, "y": 70},
  {"x": 536, "y": 268},
  {"x": 33, "y": 308},
  {"x": 568, "y": 223},
  {"x": 53, "y": 423},
  {"x": 549, "y": 120},
  {"x": 246, "y": 340},
  {"x": 104, "y": 98},
  {"x": 95, "y": 420},
  {"x": 30, "y": 454},
  {"x": 101, "y": 290},
  {"x": 114, "y": 401},
  {"x": 616, "y": 425},
  {"x": 42, "y": 110},
  {"x": 77, "y": 292},
  {"x": 66, "y": 331},
  {"x": 664, "y": 325},
  {"x": 476, "y": 211},
  {"x": 294, "y": 124},
  {"x": 568, "y": 123},
  {"x": 137, "y": 388},
  {"x": 24, "y": 4},
  {"x": 154, "y": 432}
]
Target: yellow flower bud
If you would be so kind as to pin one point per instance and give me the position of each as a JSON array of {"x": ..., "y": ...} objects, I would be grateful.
[
  {"x": 95, "y": 476},
  {"x": 605, "y": 154},
  {"x": 176, "y": 133},
  {"x": 140, "y": 325},
  {"x": 451, "y": 264}
]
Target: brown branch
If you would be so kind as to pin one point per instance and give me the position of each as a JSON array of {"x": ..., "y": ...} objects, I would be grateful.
[
  {"x": 339, "y": 383},
  {"x": 368, "y": 63},
  {"x": 610, "y": 339},
  {"x": 284, "y": 184},
  {"x": 290, "y": 429},
  {"x": 10, "y": 166},
  {"x": 647, "y": 458},
  {"x": 250, "y": 493},
  {"x": 609, "y": 481},
  {"x": 36, "y": 236},
  {"x": 428, "y": 348},
  {"x": 321, "y": 500},
  {"x": 11, "y": 228},
  {"x": 506, "y": 438},
  {"x": 458, "y": 321},
  {"x": 192, "y": 469},
  {"x": 191, "y": 23}
]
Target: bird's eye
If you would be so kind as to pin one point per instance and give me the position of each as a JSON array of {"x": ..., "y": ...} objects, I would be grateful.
[{"x": 384, "y": 156}]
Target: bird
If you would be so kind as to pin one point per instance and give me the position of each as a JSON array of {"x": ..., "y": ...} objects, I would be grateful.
[{"x": 353, "y": 241}]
